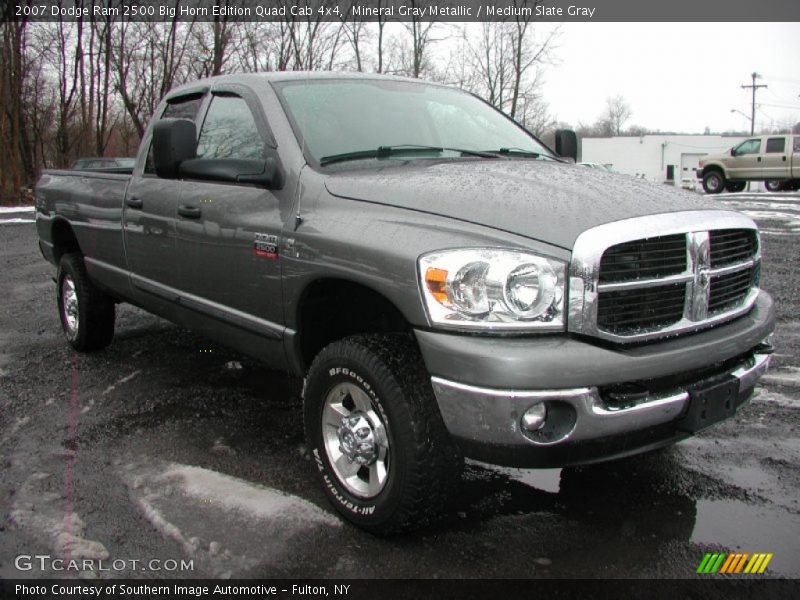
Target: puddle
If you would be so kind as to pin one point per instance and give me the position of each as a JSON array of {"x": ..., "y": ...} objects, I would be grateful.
[
  {"x": 546, "y": 480},
  {"x": 746, "y": 528}
]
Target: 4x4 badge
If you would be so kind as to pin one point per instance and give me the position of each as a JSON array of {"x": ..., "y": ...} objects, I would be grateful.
[{"x": 266, "y": 246}]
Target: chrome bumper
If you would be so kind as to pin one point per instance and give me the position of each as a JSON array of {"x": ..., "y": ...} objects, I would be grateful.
[{"x": 489, "y": 416}]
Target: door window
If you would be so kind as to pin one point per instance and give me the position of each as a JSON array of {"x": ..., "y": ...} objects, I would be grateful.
[
  {"x": 776, "y": 145},
  {"x": 184, "y": 107},
  {"x": 748, "y": 147},
  {"x": 230, "y": 131}
]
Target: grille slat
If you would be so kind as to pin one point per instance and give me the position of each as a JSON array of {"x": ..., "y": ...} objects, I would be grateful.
[
  {"x": 729, "y": 246},
  {"x": 630, "y": 312},
  {"x": 644, "y": 259},
  {"x": 730, "y": 290}
]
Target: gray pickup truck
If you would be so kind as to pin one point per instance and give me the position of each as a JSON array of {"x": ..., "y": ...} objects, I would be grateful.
[{"x": 446, "y": 284}]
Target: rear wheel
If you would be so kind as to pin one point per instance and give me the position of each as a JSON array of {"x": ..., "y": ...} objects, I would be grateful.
[
  {"x": 385, "y": 458},
  {"x": 87, "y": 314},
  {"x": 773, "y": 185},
  {"x": 735, "y": 186},
  {"x": 713, "y": 182}
]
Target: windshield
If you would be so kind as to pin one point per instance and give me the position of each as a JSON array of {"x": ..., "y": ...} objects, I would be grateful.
[{"x": 336, "y": 117}]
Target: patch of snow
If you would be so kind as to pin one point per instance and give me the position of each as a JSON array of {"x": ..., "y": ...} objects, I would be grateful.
[
  {"x": 39, "y": 512},
  {"x": 229, "y": 526},
  {"x": 125, "y": 379},
  {"x": 7, "y": 221},
  {"x": 15, "y": 209},
  {"x": 764, "y": 395},
  {"x": 789, "y": 376},
  {"x": 234, "y": 494}
]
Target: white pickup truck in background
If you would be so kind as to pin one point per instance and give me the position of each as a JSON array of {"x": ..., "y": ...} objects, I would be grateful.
[{"x": 773, "y": 159}]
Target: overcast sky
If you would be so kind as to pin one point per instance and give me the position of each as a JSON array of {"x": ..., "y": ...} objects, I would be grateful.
[{"x": 677, "y": 76}]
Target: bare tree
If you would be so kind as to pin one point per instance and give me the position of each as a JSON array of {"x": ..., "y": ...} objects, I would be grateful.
[
  {"x": 150, "y": 60},
  {"x": 15, "y": 164},
  {"x": 616, "y": 114},
  {"x": 421, "y": 40}
]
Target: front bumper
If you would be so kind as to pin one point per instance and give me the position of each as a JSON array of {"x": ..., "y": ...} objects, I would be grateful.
[
  {"x": 487, "y": 422},
  {"x": 498, "y": 379}
]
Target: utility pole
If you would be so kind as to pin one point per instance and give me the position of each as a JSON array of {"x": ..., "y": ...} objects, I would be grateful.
[{"x": 754, "y": 87}]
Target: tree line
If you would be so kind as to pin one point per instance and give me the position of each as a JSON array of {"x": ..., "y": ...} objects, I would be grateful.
[{"x": 88, "y": 88}]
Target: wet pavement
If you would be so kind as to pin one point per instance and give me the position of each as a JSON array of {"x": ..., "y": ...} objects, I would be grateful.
[{"x": 167, "y": 448}]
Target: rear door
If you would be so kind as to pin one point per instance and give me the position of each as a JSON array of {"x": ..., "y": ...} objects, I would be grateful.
[
  {"x": 796, "y": 157},
  {"x": 228, "y": 233},
  {"x": 777, "y": 157},
  {"x": 149, "y": 216}
]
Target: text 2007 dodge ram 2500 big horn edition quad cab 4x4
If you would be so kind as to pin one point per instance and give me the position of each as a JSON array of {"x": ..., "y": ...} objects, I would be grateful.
[{"x": 444, "y": 282}]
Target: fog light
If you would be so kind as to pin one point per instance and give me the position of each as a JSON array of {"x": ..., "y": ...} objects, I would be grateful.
[{"x": 534, "y": 417}]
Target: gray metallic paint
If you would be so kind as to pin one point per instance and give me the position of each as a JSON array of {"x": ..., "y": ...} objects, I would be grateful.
[{"x": 367, "y": 226}]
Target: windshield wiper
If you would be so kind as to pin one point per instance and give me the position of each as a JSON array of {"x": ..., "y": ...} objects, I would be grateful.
[
  {"x": 385, "y": 151},
  {"x": 521, "y": 152}
]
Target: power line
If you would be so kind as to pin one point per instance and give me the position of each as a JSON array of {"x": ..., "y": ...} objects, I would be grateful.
[{"x": 754, "y": 87}]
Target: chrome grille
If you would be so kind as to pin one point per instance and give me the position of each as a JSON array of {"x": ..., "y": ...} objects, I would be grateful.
[
  {"x": 695, "y": 269},
  {"x": 656, "y": 257}
]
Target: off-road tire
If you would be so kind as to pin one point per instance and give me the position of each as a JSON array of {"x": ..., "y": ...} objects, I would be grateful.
[
  {"x": 94, "y": 327},
  {"x": 774, "y": 185},
  {"x": 425, "y": 464},
  {"x": 713, "y": 182},
  {"x": 735, "y": 186}
]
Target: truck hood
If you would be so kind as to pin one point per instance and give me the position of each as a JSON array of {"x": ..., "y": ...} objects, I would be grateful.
[{"x": 547, "y": 201}]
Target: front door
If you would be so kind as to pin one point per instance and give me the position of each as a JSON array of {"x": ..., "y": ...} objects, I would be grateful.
[
  {"x": 228, "y": 233},
  {"x": 745, "y": 162}
]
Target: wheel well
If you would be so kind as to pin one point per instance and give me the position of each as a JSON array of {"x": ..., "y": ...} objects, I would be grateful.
[
  {"x": 332, "y": 309},
  {"x": 64, "y": 240},
  {"x": 715, "y": 168}
]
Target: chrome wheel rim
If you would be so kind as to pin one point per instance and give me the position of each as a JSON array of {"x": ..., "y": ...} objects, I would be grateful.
[
  {"x": 355, "y": 440},
  {"x": 69, "y": 307}
]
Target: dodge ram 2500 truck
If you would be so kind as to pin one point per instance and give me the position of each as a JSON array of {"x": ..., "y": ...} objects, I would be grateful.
[
  {"x": 445, "y": 283},
  {"x": 773, "y": 159}
]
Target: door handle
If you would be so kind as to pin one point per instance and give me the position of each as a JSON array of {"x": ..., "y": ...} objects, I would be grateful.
[
  {"x": 759, "y": 159},
  {"x": 134, "y": 202},
  {"x": 190, "y": 212},
  {"x": 784, "y": 159}
]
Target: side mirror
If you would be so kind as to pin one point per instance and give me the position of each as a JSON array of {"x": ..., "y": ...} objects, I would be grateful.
[
  {"x": 567, "y": 144},
  {"x": 174, "y": 141},
  {"x": 263, "y": 172},
  {"x": 733, "y": 151}
]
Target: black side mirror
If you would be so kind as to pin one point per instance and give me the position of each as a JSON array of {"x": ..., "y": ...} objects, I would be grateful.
[
  {"x": 264, "y": 172},
  {"x": 174, "y": 141},
  {"x": 567, "y": 144},
  {"x": 733, "y": 151}
]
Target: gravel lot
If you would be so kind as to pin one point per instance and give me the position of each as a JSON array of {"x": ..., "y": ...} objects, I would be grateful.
[{"x": 170, "y": 447}]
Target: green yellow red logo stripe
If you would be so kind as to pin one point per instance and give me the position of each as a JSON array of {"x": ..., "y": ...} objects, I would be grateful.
[{"x": 734, "y": 563}]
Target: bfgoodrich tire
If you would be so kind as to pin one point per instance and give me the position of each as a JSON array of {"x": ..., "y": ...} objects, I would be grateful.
[
  {"x": 86, "y": 313},
  {"x": 375, "y": 433}
]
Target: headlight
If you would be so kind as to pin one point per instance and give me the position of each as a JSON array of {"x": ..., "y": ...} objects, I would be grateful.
[{"x": 493, "y": 289}]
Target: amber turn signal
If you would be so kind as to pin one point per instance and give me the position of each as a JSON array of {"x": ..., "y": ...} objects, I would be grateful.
[{"x": 436, "y": 280}]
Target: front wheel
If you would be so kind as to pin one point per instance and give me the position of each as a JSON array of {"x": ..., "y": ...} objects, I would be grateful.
[
  {"x": 713, "y": 182},
  {"x": 375, "y": 433},
  {"x": 86, "y": 313}
]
